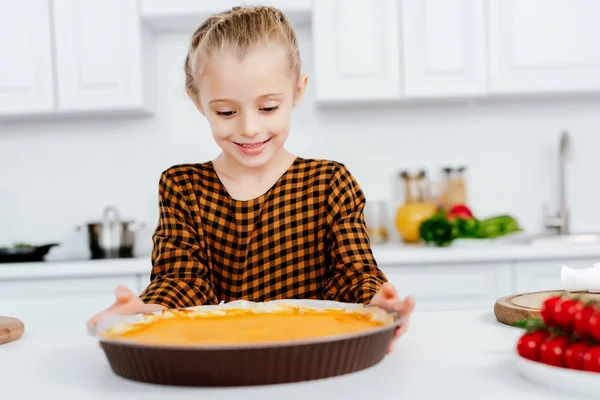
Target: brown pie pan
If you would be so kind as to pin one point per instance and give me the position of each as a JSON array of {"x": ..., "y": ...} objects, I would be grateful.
[{"x": 249, "y": 364}]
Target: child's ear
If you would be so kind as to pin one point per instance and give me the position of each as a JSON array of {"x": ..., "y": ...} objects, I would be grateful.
[
  {"x": 300, "y": 88},
  {"x": 195, "y": 98}
]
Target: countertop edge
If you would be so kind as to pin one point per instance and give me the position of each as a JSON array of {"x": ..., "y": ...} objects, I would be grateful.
[
  {"x": 390, "y": 255},
  {"x": 76, "y": 268}
]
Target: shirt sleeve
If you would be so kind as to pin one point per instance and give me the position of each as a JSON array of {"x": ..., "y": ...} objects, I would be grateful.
[
  {"x": 353, "y": 274},
  {"x": 180, "y": 277}
]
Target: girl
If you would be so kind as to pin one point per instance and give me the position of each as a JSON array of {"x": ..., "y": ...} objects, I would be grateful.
[{"x": 256, "y": 223}]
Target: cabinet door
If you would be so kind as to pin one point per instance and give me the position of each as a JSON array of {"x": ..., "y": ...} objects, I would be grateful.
[
  {"x": 26, "y": 67},
  {"x": 98, "y": 54},
  {"x": 549, "y": 46},
  {"x": 50, "y": 301},
  {"x": 535, "y": 276},
  {"x": 452, "y": 286},
  {"x": 444, "y": 48},
  {"x": 356, "y": 50}
]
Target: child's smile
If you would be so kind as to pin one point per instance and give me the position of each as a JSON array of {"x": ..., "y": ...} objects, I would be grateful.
[{"x": 253, "y": 148}]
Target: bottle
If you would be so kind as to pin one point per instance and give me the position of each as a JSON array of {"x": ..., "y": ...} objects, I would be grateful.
[
  {"x": 456, "y": 192},
  {"x": 415, "y": 209}
]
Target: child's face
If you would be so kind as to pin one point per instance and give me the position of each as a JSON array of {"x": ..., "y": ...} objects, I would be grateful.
[{"x": 249, "y": 102}]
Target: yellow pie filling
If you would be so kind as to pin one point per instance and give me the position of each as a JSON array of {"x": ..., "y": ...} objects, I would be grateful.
[{"x": 244, "y": 326}]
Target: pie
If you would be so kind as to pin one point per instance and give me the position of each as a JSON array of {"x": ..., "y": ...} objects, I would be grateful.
[{"x": 266, "y": 323}]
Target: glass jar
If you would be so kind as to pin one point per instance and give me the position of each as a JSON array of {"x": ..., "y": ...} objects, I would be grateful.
[
  {"x": 455, "y": 186},
  {"x": 416, "y": 207},
  {"x": 376, "y": 220}
]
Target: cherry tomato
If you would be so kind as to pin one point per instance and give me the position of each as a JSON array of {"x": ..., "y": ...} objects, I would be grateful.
[
  {"x": 547, "y": 310},
  {"x": 552, "y": 351},
  {"x": 564, "y": 313},
  {"x": 591, "y": 359},
  {"x": 529, "y": 344},
  {"x": 595, "y": 325},
  {"x": 574, "y": 355},
  {"x": 581, "y": 321}
]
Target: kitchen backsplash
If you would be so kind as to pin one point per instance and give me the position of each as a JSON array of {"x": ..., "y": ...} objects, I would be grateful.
[{"x": 56, "y": 174}]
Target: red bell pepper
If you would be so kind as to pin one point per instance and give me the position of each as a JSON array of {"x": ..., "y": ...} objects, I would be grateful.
[{"x": 460, "y": 211}]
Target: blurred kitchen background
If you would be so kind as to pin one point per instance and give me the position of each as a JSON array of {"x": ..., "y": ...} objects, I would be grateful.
[{"x": 93, "y": 106}]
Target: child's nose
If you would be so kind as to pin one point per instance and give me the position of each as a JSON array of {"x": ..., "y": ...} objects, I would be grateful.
[{"x": 250, "y": 126}]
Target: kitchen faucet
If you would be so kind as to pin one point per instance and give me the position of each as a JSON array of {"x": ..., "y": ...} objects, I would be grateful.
[{"x": 560, "y": 221}]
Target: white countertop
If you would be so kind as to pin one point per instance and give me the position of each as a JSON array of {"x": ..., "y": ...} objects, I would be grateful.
[
  {"x": 398, "y": 254},
  {"x": 386, "y": 255},
  {"x": 464, "y": 355},
  {"x": 75, "y": 268}
]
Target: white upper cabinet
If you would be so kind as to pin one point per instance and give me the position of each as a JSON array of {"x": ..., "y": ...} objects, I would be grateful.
[
  {"x": 26, "y": 62},
  {"x": 544, "y": 46},
  {"x": 444, "y": 48},
  {"x": 356, "y": 50},
  {"x": 98, "y": 54}
]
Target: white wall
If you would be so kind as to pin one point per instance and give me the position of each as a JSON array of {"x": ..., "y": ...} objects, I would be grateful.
[{"x": 56, "y": 174}]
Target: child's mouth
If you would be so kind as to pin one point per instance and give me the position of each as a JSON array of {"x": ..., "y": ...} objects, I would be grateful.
[{"x": 252, "y": 145}]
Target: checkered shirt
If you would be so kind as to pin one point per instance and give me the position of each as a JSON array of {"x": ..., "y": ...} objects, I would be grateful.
[{"x": 305, "y": 238}]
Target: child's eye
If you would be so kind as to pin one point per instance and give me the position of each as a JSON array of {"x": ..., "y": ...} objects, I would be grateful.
[
  {"x": 225, "y": 113},
  {"x": 269, "y": 109}
]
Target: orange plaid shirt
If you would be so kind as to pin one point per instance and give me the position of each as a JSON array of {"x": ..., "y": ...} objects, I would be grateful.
[{"x": 305, "y": 238}]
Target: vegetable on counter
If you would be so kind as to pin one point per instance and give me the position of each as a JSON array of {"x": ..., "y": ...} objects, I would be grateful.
[
  {"x": 438, "y": 230},
  {"x": 459, "y": 222},
  {"x": 460, "y": 211},
  {"x": 567, "y": 335}
]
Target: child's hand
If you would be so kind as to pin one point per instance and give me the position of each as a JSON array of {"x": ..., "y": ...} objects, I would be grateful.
[
  {"x": 127, "y": 303},
  {"x": 387, "y": 297}
]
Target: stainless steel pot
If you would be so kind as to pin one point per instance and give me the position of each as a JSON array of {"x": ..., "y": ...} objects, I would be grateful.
[{"x": 111, "y": 237}]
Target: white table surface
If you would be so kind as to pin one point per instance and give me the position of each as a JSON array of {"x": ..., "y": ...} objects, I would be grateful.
[{"x": 463, "y": 355}]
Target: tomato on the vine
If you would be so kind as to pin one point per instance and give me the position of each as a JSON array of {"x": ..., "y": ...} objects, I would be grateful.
[
  {"x": 564, "y": 313},
  {"x": 574, "y": 355},
  {"x": 552, "y": 351},
  {"x": 581, "y": 321},
  {"x": 529, "y": 344},
  {"x": 591, "y": 359},
  {"x": 547, "y": 310},
  {"x": 595, "y": 325}
]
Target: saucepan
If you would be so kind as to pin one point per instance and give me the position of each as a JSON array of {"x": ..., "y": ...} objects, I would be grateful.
[{"x": 112, "y": 237}]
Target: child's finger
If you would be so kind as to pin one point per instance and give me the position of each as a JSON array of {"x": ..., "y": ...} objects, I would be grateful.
[
  {"x": 123, "y": 294},
  {"x": 401, "y": 330},
  {"x": 94, "y": 320},
  {"x": 409, "y": 304},
  {"x": 389, "y": 291}
]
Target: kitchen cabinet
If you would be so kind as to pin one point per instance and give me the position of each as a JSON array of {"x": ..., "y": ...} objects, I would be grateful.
[
  {"x": 68, "y": 56},
  {"x": 68, "y": 287},
  {"x": 534, "y": 276},
  {"x": 452, "y": 286},
  {"x": 186, "y": 15},
  {"x": 539, "y": 47},
  {"x": 64, "y": 299},
  {"x": 356, "y": 50},
  {"x": 98, "y": 54},
  {"x": 26, "y": 68},
  {"x": 444, "y": 48}
]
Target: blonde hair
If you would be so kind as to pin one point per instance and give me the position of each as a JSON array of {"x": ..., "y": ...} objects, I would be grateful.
[{"x": 240, "y": 29}]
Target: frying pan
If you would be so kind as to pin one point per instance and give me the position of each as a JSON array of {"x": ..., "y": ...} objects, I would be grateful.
[{"x": 24, "y": 253}]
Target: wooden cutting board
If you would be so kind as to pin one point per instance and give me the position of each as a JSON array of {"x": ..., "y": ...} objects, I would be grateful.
[
  {"x": 10, "y": 329},
  {"x": 514, "y": 308}
]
